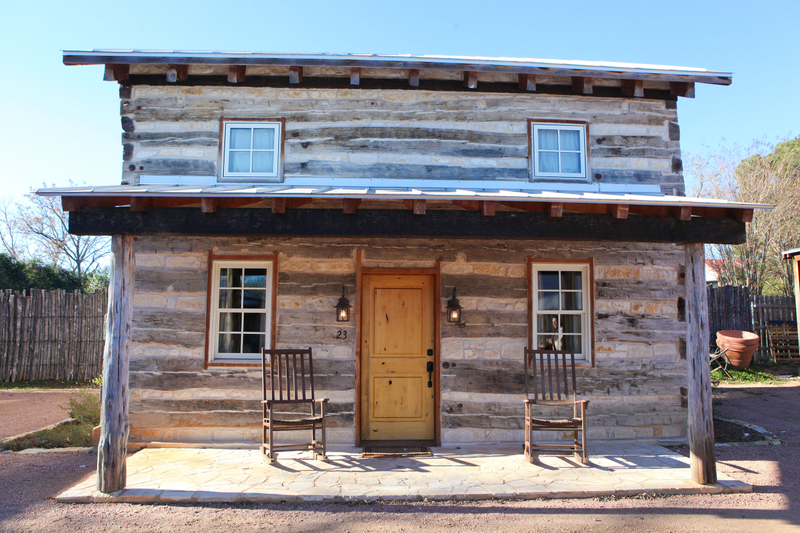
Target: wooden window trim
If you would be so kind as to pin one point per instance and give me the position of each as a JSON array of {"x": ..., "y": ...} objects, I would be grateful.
[
  {"x": 246, "y": 179},
  {"x": 590, "y": 289},
  {"x": 532, "y": 156},
  {"x": 212, "y": 258}
]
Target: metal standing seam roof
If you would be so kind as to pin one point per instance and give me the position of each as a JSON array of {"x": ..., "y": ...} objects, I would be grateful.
[
  {"x": 501, "y": 64},
  {"x": 387, "y": 192}
]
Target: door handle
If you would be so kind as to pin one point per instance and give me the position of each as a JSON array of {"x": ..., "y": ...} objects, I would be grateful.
[{"x": 430, "y": 374}]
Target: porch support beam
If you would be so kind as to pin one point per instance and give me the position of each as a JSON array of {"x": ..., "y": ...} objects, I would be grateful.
[
  {"x": 402, "y": 222},
  {"x": 701, "y": 419},
  {"x": 111, "y": 472}
]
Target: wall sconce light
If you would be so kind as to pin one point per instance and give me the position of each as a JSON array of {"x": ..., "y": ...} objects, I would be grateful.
[
  {"x": 454, "y": 311},
  {"x": 343, "y": 309}
]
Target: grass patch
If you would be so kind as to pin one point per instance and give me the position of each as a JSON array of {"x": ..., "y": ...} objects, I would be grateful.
[
  {"x": 47, "y": 385},
  {"x": 754, "y": 374},
  {"x": 67, "y": 435},
  {"x": 84, "y": 408}
]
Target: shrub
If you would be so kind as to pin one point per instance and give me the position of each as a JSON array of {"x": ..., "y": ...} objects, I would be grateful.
[{"x": 84, "y": 406}]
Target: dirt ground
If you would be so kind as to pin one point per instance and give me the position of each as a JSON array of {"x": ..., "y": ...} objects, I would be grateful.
[
  {"x": 23, "y": 411},
  {"x": 29, "y": 481}
]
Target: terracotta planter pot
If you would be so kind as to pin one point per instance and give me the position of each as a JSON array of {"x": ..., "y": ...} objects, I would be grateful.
[{"x": 741, "y": 346}]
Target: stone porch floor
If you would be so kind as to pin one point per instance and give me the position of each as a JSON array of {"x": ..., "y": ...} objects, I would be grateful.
[{"x": 173, "y": 475}]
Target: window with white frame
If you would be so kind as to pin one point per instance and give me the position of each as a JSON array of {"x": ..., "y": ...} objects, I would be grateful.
[
  {"x": 561, "y": 314},
  {"x": 241, "y": 310},
  {"x": 251, "y": 149},
  {"x": 559, "y": 150}
]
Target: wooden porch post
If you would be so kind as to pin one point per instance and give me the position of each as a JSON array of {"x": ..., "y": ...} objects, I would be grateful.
[
  {"x": 114, "y": 418},
  {"x": 701, "y": 422}
]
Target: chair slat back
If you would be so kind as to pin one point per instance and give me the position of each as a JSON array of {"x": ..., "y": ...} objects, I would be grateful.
[
  {"x": 548, "y": 374},
  {"x": 289, "y": 374}
]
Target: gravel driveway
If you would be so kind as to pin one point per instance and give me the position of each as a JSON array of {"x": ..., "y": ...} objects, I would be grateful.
[
  {"x": 29, "y": 481},
  {"x": 22, "y": 411}
]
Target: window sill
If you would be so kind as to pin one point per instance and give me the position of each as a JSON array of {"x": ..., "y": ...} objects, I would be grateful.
[{"x": 233, "y": 364}]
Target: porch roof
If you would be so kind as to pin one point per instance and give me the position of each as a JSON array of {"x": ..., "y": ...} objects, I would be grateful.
[{"x": 642, "y": 199}]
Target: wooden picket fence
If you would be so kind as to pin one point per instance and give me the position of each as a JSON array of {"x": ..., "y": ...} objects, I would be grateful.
[
  {"x": 732, "y": 307},
  {"x": 51, "y": 335}
]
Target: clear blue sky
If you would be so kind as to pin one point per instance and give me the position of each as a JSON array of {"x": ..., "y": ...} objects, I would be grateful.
[{"x": 61, "y": 123}]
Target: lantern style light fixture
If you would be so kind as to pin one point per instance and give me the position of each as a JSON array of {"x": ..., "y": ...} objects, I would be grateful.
[
  {"x": 454, "y": 310},
  {"x": 343, "y": 309}
]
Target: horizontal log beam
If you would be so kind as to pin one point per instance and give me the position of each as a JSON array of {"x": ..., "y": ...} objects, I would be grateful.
[{"x": 403, "y": 223}]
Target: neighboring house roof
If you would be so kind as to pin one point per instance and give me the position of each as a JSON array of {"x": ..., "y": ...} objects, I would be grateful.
[
  {"x": 595, "y": 69},
  {"x": 791, "y": 253}
]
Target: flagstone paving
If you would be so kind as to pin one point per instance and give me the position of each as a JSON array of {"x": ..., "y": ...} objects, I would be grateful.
[{"x": 172, "y": 475}]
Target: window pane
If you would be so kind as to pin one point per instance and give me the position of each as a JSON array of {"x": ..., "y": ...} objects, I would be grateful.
[
  {"x": 263, "y": 139},
  {"x": 230, "y": 322},
  {"x": 548, "y": 161},
  {"x": 548, "y": 281},
  {"x": 255, "y": 322},
  {"x": 239, "y": 162},
  {"x": 253, "y": 343},
  {"x": 230, "y": 277},
  {"x": 255, "y": 277},
  {"x": 571, "y": 163},
  {"x": 547, "y": 323},
  {"x": 572, "y": 343},
  {"x": 572, "y": 281},
  {"x": 263, "y": 161},
  {"x": 548, "y": 139},
  {"x": 229, "y": 343},
  {"x": 570, "y": 140},
  {"x": 571, "y": 323},
  {"x": 548, "y": 301},
  {"x": 549, "y": 342},
  {"x": 240, "y": 139},
  {"x": 571, "y": 301},
  {"x": 230, "y": 299},
  {"x": 255, "y": 299}
]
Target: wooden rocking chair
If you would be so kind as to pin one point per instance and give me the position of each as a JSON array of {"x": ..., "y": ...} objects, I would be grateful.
[
  {"x": 288, "y": 387},
  {"x": 548, "y": 374}
]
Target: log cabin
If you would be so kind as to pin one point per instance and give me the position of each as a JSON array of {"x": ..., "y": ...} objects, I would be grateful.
[{"x": 541, "y": 200}]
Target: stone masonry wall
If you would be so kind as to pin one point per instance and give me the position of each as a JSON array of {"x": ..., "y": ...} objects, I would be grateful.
[{"x": 636, "y": 386}]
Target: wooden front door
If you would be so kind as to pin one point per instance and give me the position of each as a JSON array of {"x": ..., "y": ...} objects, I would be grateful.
[{"x": 397, "y": 351}]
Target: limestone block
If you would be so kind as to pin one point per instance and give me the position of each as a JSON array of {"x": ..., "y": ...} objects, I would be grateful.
[
  {"x": 150, "y": 260},
  {"x": 149, "y": 299}
]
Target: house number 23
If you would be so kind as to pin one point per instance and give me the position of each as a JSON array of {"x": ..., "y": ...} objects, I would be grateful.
[{"x": 341, "y": 334}]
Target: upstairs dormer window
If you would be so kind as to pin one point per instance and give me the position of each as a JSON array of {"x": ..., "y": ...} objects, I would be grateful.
[
  {"x": 559, "y": 150},
  {"x": 252, "y": 150}
]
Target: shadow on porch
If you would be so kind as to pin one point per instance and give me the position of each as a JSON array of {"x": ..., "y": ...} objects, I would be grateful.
[{"x": 452, "y": 473}]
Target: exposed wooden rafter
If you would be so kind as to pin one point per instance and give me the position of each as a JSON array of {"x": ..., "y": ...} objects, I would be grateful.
[
  {"x": 633, "y": 88},
  {"x": 470, "y": 79},
  {"x": 582, "y": 85},
  {"x": 295, "y": 74},
  {"x": 281, "y": 204},
  {"x": 413, "y": 77},
  {"x": 177, "y": 73},
  {"x": 116, "y": 72},
  {"x": 619, "y": 211},
  {"x": 237, "y": 73},
  {"x": 743, "y": 215},
  {"x": 556, "y": 209},
  {"x": 680, "y": 88},
  {"x": 418, "y": 206},
  {"x": 140, "y": 203},
  {"x": 527, "y": 82},
  {"x": 355, "y": 76},
  {"x": 488, "y": 208},
  {"x": 349, "y": 205},
  {"x": 684, "y": 213}
]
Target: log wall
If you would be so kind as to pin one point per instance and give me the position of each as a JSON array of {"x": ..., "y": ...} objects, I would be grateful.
[
  {"x": 637, "y": 384},
  {"x": 363, "y": 133}
]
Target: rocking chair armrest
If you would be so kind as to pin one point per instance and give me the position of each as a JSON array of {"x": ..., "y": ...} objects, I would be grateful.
[
  {"x": 323, "y": 400},
  {"x": 584, "y": 402}
]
